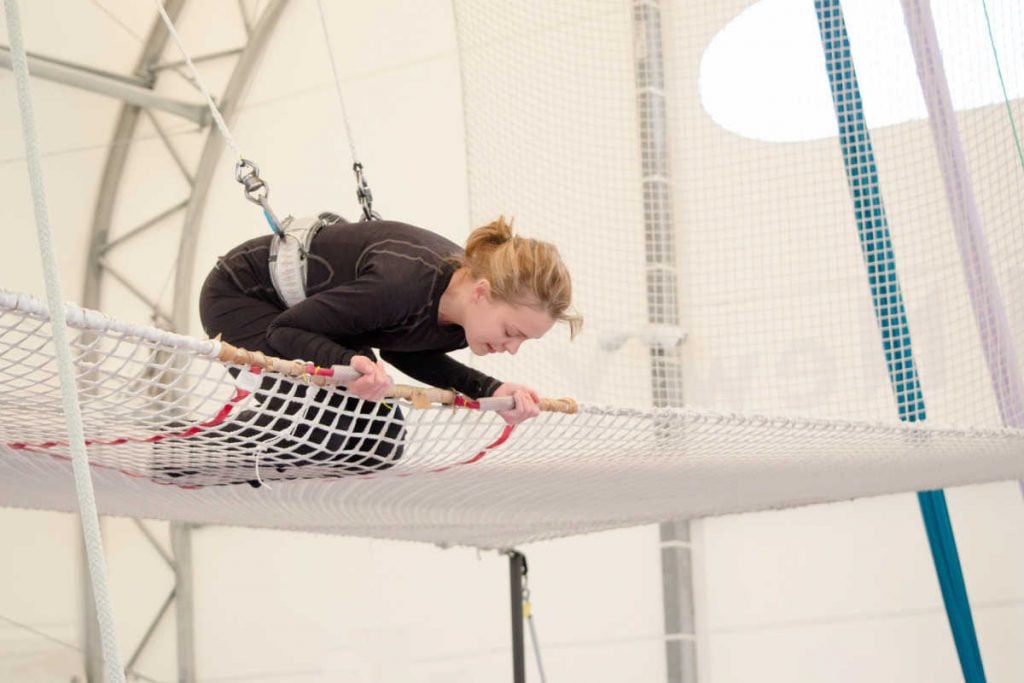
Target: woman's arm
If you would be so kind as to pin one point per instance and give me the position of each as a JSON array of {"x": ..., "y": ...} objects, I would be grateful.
[
  {"x": 441, "y": 370},
  {"x": 438, "y": 369},
  {"x": 308, "y": 329}
]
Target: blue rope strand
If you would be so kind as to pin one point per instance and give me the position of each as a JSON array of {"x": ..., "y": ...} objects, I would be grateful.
[{"x": 891, "y": 316}]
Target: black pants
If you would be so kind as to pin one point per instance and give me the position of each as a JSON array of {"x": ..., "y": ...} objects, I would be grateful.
[{"x": 339, "y": 436}]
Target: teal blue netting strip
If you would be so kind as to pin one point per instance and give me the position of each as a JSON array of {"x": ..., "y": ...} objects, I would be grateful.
[{"x": 890, "y": 314}]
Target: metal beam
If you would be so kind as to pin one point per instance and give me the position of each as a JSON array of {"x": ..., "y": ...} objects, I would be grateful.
[
  {"x": 153, "y": 542},
  {"x": 131, "y": 90},
  {"x": 663, "y": 312},
  {"x": 134, "y": 289},
  {"x": 148, "y": 635},
  {"x": 102, "y": 216},
  {"x": 141, "y": 228},
  {"x": 171, "y": 149},
  {"x": 198, "y": 59},
  {"x": 101, "y": 245},
  {"x": 113, "y": 172},
  {"x": 516, "y": 570},
  {"x": 181, "y": 546}
]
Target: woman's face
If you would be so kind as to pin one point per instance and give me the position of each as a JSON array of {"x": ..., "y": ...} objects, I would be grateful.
[{"x": 498, "y": 327}]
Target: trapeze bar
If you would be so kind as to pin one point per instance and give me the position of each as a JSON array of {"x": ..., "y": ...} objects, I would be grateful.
[{"x": 130, "y": 90}]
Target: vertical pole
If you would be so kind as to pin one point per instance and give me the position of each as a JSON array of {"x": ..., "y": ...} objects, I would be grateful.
[
  {"x": 890, "y": 313},
  {"x": 516, "y": 569},
  {"x": 677, "y": 602},
  {"x": 663, "y": 312},
  {"x": 181, "y": 547}
]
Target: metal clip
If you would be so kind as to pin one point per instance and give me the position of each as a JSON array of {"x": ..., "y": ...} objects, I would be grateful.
[
  {"x": 256, "y": 191},
  {"x": 248, "y": 174},
  {"x": 364, "y": 194}
]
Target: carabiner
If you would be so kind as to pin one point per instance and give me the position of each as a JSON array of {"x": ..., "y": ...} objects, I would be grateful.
[
  {"x": 364, "y": 194},
  {"x": 257, "y": 191}
]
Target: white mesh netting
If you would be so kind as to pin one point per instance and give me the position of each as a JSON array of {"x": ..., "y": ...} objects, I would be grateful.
[
  {"x": 155, "y": 404},
  {"x": 729, "y": 250},
  {"x": 774, "y": 295}
]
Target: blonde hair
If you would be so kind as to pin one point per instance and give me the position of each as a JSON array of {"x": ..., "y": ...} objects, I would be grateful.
[{"x": 522, "y": 271}]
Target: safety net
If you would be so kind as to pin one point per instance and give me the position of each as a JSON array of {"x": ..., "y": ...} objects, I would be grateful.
[{"x": 175, "y": 433}]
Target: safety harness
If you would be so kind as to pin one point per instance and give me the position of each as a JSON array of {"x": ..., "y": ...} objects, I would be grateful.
[{"x": 289, "y": 257}]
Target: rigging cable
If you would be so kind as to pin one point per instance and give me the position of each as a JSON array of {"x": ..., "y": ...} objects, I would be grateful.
[
  {"x": 88, "y": 512},
  {"x": 363, "y": 192}
]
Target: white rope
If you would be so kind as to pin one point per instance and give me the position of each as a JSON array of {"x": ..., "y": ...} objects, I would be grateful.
[
  {"x": 536, "y": 649},
  {"x": 65, "y": 364},
  {"x": 218, "y": 119},
  {"x": 528, "y": 606},
  {"x": 267, "y": 444},
  {"x": 337, "y": 82},
  {"x": 114, "y": 18}
]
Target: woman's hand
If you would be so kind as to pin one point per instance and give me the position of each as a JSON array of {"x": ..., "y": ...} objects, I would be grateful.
[
  {"x": 527, "y": 402},
  {"x": 374, "y": 383}
]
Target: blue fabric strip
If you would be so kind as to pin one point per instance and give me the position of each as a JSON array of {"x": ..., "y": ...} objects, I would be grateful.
[{"x": 891, "y": 316}]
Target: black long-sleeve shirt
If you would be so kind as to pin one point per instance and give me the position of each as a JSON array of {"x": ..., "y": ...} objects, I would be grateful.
[{"x": 375, "y": 284}]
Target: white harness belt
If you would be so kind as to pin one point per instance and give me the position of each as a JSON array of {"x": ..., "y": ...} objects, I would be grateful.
[{"x": 289, "y": 257}]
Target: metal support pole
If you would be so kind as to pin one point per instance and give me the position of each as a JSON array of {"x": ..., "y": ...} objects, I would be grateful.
[
  {"x": 677, "y": 602},
  {"x": 181, "y": 547},
  {"x": 516, "y": 569},
  {"x": 132, "y": 91},
  {"x": 150, "y": 630},
  {"x": 663, "y": 312},
  {"x": 101, "y": 246}
]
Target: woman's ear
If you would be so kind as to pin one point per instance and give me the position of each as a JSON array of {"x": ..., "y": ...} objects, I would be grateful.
[{"x": 481, "y": 290}]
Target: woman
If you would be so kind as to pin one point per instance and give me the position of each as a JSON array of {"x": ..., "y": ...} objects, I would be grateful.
[{"x": 406, "y": 291}]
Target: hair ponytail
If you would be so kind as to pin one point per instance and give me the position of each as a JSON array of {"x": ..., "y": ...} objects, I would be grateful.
[{"x": 522, "y": 271}]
